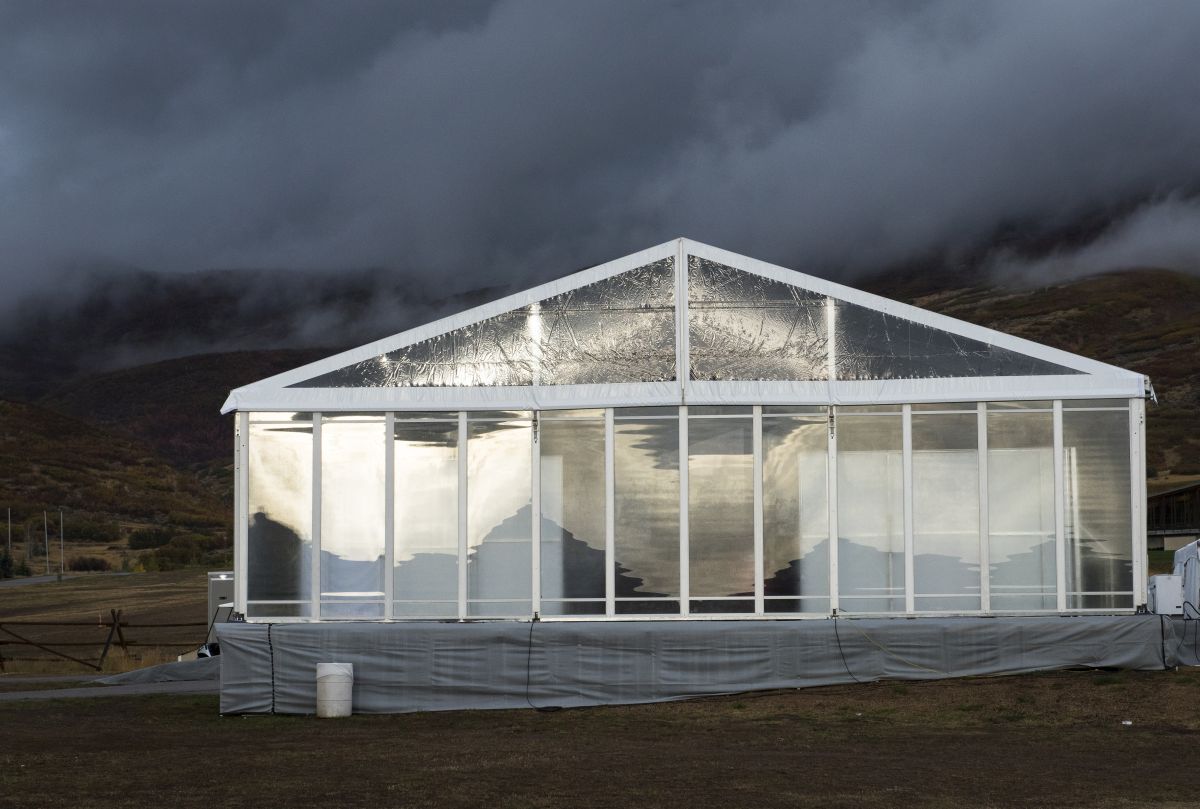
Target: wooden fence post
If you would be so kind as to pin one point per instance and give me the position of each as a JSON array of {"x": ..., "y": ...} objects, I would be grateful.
[
  {"x": 112, "y": 630},
  {"x": 116, "y": 614}
]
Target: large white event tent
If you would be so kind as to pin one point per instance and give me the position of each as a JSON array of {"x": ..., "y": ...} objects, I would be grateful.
[{"x": 690, "y": 433}]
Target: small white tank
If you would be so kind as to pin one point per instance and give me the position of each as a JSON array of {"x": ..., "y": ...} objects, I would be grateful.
[{"x": 335, "y": 689}]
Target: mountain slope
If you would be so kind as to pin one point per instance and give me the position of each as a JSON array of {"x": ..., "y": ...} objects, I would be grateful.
[
  {"x": 174, "y": 405},
  {"x": 51, "y": 461}
]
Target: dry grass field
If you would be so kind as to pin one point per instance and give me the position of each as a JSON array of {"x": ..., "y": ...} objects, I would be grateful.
[
  {"x": 178, "y": 597},
  {"x": 1038, "y": 741}
]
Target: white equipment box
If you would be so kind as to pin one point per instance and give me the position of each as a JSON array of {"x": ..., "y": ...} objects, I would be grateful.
[
  {"x": 220, "y": 600},
  {"x": 1166, "y": 594}
]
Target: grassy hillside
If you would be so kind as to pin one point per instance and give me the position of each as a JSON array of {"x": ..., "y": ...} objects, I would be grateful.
[
  {"x": 174, "y": 406},
  {"x": 108, "y": 484}
]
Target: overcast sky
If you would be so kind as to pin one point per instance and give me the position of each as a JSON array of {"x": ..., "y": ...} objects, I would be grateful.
[{"x": 512, "y": 139}]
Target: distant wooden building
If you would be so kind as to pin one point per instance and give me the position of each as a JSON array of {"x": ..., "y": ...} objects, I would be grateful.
[{"x": 1174, "y": 517}]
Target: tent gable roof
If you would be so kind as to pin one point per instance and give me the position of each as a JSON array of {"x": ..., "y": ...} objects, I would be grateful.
[{"x": 614, "y": 334}]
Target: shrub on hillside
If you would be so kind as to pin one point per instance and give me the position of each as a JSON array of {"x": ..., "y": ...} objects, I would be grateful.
[
  {"x": 88, "y": 563},
  {"x": 6, "y": 566},
  {"x": 144, "y": 538},
  {"x": 91, "y": 529},
  {"x": 183, "y": 551},
  {"x": 196, "y": 520}
]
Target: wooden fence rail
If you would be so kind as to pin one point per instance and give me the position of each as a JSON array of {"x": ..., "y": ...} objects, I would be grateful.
[{"x": 116, "y": 633}]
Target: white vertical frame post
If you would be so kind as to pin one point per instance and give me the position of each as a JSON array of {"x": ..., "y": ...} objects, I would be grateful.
[
  {"x": 1060, "y": 533},
  {"x": 759, "y": 601},
  {"x": 985, "y": 529},
  {"x": 683, "y": 370},
  {"x": 389, "y": 516},
  {"x": 831, "y": 487},
  {"x": 241, "y": 511},
  {"x": 535, "y": 499},
  {"x": 1137, "y": 496},
  {"x": 684, "y": 544},
  {"x": 683, "y": 366},
  {"x": 610, "y": 515},
  {"x": 462, "y": 514},
  {"x": 907, "y": 463},
  {"x": 316, "y": 518}
]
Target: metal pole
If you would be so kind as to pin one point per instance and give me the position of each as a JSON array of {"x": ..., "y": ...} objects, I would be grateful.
[
  {"x": 62, "y": 545},
  {"x": 46, "y": 537},
  {"x": 10, "y": 533}
]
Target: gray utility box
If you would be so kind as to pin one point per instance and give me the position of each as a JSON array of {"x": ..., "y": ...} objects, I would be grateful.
[{"x": 220, "y": 600}]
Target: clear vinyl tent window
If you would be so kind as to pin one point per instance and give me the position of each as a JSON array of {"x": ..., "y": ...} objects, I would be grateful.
[
  {"x": 1096, "y": 482},
  {"x": 795, "y": 513},
  {"x": 425, "y": 524},
  {"x": 279, "y": 519},
  {"x": 646, "y": 532},
  {"x": 499, "y": 516},
  {"x": 573, "y": 566},
  {"x": 945, "y": 503},
  {"x": 870, "y": 485},
  {"x": 353, "y": 521},
  {"x": 1021, "y": 525},
  {"x": 721, "y": 510}
]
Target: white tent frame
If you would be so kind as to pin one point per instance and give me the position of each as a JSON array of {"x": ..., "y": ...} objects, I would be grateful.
[{"x": 1095, "y": 380}]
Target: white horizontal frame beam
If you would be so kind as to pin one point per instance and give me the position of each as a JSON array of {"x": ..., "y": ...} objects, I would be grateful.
[{"x": 669, "y": 394}]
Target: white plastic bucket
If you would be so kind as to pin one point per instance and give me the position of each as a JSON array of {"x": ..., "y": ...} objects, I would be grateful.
[{"x": 335, "y": 688}]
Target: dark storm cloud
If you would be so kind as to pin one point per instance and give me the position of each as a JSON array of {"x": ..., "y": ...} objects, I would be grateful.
[{"x": 517, "y": 139}]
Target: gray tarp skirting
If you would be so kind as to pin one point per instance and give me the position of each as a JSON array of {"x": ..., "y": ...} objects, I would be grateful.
[{"x": 432, "y": 666}]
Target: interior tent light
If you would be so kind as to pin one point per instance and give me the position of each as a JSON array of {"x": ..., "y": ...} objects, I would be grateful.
[
  {"x": 534, "y": 329},
  {"x": 831, "y": 339}
]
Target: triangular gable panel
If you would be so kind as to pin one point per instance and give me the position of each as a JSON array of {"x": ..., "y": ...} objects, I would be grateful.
[
  {"x": 870, "y": 344},
  {"x": 745, "y": 326},
  {"x": 620, "y": 329}
]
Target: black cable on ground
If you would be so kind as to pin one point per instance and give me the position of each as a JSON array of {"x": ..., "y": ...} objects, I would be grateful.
[
  {"x": 528, "y": 666},
  {"x": 846, "y": 665},
  {"x": 211, "y": 623},
  {"x": 271, "y": 649},
  {"x": 1162, "y": 639}
]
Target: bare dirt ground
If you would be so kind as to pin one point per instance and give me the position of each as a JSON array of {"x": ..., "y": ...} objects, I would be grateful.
[{"x": 1037, "y": 741}]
